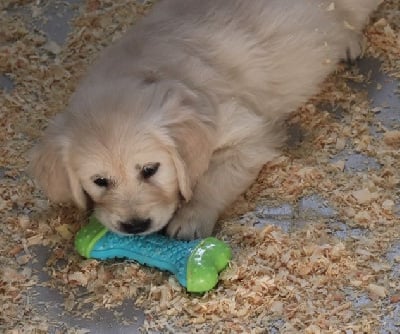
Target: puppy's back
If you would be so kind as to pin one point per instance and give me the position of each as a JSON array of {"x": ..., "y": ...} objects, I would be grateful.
[{"x": 273, "y": 54}]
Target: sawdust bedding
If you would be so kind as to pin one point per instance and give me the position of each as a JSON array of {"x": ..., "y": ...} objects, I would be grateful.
[{"x": 296, "y": 282}]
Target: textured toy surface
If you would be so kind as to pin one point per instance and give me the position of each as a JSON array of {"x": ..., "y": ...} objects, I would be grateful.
[{"x": 196, "y": 264}]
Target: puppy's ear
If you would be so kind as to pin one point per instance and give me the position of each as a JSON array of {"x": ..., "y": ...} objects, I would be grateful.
[
  {"x": 49, "y": 165},
  {"x": 187, "y": 119},
  {"x": 184, "y": 181}
]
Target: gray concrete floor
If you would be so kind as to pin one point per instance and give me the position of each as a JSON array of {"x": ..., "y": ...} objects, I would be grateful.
[{"x": 286, "y": 216}]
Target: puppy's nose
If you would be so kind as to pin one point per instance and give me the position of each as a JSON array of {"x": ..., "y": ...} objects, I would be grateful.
[{"x": 135, "y": 226}]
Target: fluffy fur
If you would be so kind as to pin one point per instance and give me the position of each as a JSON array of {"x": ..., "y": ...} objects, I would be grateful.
[{"x": 200, "y": 89}]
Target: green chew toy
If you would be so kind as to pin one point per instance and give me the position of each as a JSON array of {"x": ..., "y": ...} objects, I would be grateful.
[{"x": 196, "y": 264}]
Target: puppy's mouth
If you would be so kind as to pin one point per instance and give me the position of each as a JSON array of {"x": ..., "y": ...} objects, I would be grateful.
[
  {"x": 131, "y": 226},
  {"x": 136, "y": 226}
]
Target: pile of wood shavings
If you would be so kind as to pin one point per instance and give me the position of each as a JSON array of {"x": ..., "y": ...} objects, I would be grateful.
[
  {"x": 384, "y": 37},
  {"x": 293, "y": 282}
]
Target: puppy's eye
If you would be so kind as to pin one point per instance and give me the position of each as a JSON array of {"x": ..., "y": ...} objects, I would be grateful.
[
  {"x": 149, "y": 170},
  {"x": 101, "y": 182}
]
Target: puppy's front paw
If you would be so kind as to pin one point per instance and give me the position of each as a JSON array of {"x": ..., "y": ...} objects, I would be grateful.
[
  {"x": 355, "y": 48},
  {"x": 191, "y": 223}
]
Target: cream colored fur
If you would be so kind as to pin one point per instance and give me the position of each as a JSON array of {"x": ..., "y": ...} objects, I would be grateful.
[{"x": 201, "y": 87}]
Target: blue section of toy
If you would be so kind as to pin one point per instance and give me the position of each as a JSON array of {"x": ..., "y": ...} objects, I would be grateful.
[{"x": 157, "y": 251}]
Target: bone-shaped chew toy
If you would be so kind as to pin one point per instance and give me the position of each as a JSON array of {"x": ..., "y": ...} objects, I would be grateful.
[{"x": 196, "y": 264}]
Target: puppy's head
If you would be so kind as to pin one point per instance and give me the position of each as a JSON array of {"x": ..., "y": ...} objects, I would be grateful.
[{"x": 132, "y": 150}]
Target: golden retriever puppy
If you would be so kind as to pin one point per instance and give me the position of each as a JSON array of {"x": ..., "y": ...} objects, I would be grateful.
[{"x": 176, "y": 119}]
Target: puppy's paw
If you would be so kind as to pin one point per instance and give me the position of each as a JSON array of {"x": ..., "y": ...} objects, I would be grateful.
[
  {"x": 191, "y": 223},
  {"x": 355, "y": 49}
]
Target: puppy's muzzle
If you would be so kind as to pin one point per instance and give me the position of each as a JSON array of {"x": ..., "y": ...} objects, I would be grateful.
[{"x": 135, "y": 226}]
